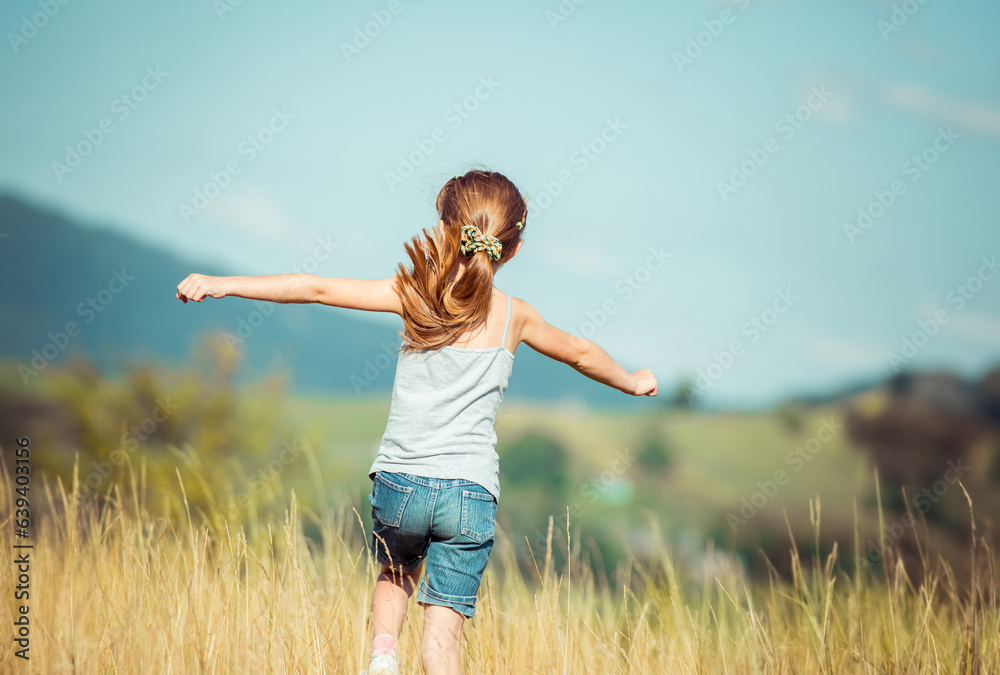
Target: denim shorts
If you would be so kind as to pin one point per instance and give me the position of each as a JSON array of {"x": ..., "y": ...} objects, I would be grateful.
[{"x": 449, "y": 521}]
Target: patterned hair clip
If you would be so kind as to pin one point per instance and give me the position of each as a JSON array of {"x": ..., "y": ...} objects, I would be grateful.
[
  {"x": 473, "y": 241},
  {"x": 519, "y": 225}
]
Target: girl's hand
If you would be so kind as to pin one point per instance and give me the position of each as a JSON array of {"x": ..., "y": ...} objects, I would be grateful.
[
  {"x": 645, "y": 383},
  {"x": 197, "y": 287}
]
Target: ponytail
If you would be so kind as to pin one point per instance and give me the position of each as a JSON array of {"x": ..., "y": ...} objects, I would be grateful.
[{"x": 438, "y": 307}]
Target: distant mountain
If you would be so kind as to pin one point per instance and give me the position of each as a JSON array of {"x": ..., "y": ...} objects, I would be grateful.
[{"x": 66, "y": 288}]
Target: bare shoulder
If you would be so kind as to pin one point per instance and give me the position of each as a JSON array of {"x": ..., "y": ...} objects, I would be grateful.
[
  {"x": 522, "y": 312},
  {"x": 523, "y": 316},
  {"x": 528, "y": 326}
]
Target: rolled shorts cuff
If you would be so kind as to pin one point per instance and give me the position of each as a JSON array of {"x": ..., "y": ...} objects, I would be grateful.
[{"x": 464, "y": 604}]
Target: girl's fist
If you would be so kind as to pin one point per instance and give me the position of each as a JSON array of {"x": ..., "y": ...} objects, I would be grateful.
[
  {"x": 197, "y": 287},
  {"x": 645, "y": 383}
]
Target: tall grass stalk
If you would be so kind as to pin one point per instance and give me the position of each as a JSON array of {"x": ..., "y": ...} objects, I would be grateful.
[{"x": 119, "y": 587}]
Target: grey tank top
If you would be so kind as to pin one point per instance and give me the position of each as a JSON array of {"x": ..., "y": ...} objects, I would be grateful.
[{"x": 444, "y": 404}]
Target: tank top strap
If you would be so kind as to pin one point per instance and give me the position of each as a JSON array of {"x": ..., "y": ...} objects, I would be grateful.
[{"x": 503, "y": 341}]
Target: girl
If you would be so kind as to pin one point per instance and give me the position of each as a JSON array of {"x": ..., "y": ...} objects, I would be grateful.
[{"x": 435, "y": 478}]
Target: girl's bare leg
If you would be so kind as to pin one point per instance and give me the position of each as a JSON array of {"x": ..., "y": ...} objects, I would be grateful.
[
  {"x": 392, "y": 591},
  {"x": 440, "y": 647}
]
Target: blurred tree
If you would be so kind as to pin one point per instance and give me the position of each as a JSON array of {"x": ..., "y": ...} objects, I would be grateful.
[
  {"x": 988, "y": 396},
  {"x": 536, "y": 460},
  {"x": 927, "y": 421},
  {"x": 929, "y": 433},
  {"x": 152, "y": 423},
  {"x": 791, "y": 414},
  {"x": 684, "y": 395},
  {"x": 654, "y": 453}
]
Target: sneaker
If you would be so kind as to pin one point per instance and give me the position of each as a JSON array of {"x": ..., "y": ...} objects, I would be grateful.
[{"x": 384, "y": 662}]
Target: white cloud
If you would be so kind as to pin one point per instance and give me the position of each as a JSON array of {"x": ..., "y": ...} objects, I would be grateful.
[
  {"x": 251, "y": 212},
  {"x": 842, "y": 106},
  {"x": 973, "y": 116},
  {"x": 966, "y": 324},
  {"x": 846, "y": 353},
  {"x": 976, "y": 327}
]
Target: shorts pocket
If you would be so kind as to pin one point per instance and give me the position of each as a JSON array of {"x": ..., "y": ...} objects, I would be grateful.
[
  {"x": 479, "y": 515},
  {"x": 389, "y": 500}
]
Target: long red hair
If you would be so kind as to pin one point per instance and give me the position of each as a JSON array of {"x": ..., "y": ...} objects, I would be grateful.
[{"x": 437, "y": 307}]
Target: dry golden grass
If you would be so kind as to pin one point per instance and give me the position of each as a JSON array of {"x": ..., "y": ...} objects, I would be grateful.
[{"x": 117, "y": 589}]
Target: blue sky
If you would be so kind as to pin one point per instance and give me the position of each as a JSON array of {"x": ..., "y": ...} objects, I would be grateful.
[{"x": 621, "y": 122}]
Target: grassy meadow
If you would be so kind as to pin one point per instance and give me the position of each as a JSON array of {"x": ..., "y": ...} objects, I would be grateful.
[
  {"x": 119, "y": 589},
  {"x": 180, "y": 524}
]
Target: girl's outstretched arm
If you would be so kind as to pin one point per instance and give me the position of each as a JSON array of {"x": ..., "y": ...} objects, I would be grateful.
[
  {"x": 375, "y": 295},
  {"x": 584, "y": 355}
]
